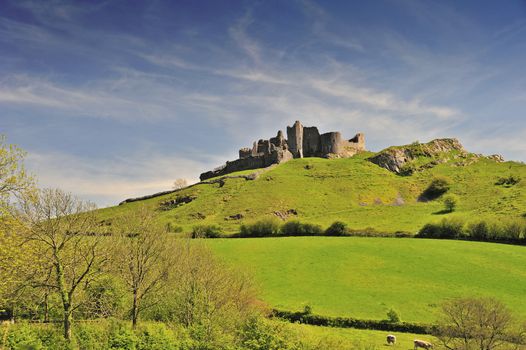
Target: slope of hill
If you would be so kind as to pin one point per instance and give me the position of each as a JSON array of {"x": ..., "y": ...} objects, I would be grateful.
[
  {"x": 353, "y": 190},
  {"x": 365, "y": 277}
]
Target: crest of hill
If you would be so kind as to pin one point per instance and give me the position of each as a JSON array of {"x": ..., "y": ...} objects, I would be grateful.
[{"x": 367, "y": 190}]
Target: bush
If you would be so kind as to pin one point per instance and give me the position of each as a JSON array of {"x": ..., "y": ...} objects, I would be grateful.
[
  {"x": 450, "y": 203},
  {"x": 261, "y": 228},
  {"x": 296, "y": 228},
  {"x": 392, "y": 316},
  {"x": 156, "y": 337},
  {"x": 436, "y": 188},
  {"x": 479, "y": 230},
  {"x": 207, "y": 231},
  {"x": 262, "y": 334},
  {"x": 508, "y": 181},
  {"x": 445, "y": 229},
  {"x": 337, "y": 228}
]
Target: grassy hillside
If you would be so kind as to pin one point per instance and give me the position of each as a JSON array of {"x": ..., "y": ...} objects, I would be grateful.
[
  {"x": 352, "y": 190},
  {"x": 365, "y": 277}
]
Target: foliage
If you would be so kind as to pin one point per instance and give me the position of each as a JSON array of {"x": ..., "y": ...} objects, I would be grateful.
[
  {"x": 350, "y": 322},
  {"x": 450, "y": 203},
  {"x": 261, "y": 334},
  {"x": 143, "y": 258},
  {"x": 207, "y": 231},
  {"x": 261, "y": 228},
  {"x": 337, "y": 228},
  {"x": 476, "y": 323},
  {"x": 297, "y": 228},
  {"x": 62, "y": 231},
  {"x": 447, "y": 228},
  {"x": 510, "y": 231},
  {"x": 393, "y": 316},
  {"x": 508, "y": 181},
  {"x": 437, "y": 187}
]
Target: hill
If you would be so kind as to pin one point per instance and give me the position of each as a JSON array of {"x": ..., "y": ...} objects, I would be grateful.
[
  {"x": 365, "y": 277},
  {"x": 364, "y": 191}
]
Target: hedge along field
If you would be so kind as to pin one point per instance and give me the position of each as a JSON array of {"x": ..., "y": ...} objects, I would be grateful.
[{"x": 365, "y": 277}]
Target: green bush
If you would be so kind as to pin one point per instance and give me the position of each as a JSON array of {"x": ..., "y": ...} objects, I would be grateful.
[
  {"x": 436, "y": 188},
  {"x": 207, "y": 231},
  {"x": 450, "y": 203},
  {"x": 262, "y": 334},
  {"x": 122, "y": 338},
  {"x": 445, "y": 229},
  {"x": 508, "y": 181},
  {"x": 261, "y": 228},
  {"x": 296, "y": 228},
  {"x": 337, "y": 228},
  {"x": 156, "y": 337},
  {"x": 479, "y": 230},
  {"x": 23, "y": 336},
  {"x": 392, "y": 316}
]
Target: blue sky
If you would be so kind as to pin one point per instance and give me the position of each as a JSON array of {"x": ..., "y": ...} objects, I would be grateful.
[{"x": 114, "y": 99}]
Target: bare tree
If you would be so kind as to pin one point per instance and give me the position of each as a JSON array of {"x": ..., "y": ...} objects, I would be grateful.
[
  {"x": 478, "y": 323},
  {"x": 180, "y": 183},
  {"x": 143, "y": 258},
  {"x": 60, "y": 229}
]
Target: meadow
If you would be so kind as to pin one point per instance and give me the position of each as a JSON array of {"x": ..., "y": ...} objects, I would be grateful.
[{"x": 366, "y": 277}]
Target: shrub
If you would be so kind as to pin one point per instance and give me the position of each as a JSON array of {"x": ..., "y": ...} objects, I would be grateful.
[
  {"x": 207, "y": 231},
  {"x": 450, "y": 203},
  {"x": 392, "y": 316},
  {"x": 436, "y": 188},
  {"x": 156, "y": 337},
  {"x": 508, "y": 181},
  {"x": 478, "y": 230},
  {"x": 296, "y": 228},
  {"x": 262, "y": 334},
  {"x": 445, "y": 229},
  {"x": 123, "y": 338},
  {"x": 337, "y": 228},
  {"x": 261, "y": 228}
]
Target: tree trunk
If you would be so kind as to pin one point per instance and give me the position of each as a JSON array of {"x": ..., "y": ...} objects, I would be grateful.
[
  {"x": 46, "y": 308},
  {"x": 67, "y": 324},
  {"x": 135, "y": 309},
  {"x": 65, "y": 296}
]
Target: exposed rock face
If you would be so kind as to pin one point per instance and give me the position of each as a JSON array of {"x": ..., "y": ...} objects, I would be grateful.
[
  {"x": 301, "y": 142},
  {"x": 394, "y": 158}
]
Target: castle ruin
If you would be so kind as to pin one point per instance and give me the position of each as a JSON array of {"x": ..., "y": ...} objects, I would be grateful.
[{"x": 301, "y": 142}]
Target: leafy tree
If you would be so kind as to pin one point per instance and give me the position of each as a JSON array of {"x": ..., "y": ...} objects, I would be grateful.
[
  {"x": 477, "y": 323},
  {"x": 142, "y": 258},
  {"x": 14, "y": 181},
  {"x": 450, "y": 203},
  {"x": 61, "y": 230},
  {"x": 337, "y": 228}
]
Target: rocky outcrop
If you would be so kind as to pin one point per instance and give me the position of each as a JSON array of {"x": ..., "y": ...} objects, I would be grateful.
[
  {"x": 301, "y": 142},
  {"x": 395, "y": 158}
]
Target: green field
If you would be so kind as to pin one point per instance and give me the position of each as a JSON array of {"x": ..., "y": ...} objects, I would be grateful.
[
  {"x": 352, "y": 190},
  {"x": 365, "y": 277},
  {"x": 357, "y": 338}
]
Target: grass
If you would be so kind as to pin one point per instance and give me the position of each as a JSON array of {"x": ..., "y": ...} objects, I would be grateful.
[
  {"x": 357, "y": 338},
  {"x": 365, "y": 277},
  {"x": 352, "y": 190}
]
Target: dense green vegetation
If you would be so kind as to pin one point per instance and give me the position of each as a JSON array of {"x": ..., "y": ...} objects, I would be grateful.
[
  {"x": 354, "y": 191},
  {"x": 365, "y": 277}
]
